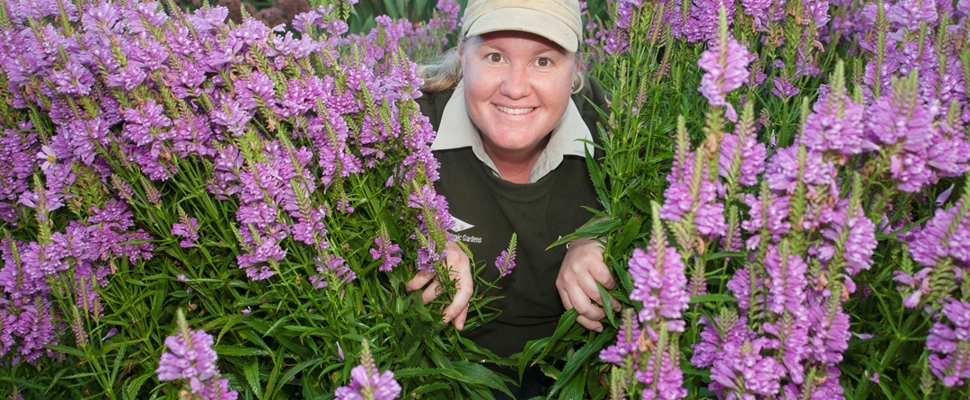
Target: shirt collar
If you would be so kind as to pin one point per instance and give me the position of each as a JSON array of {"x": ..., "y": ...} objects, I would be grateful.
[{"x": 456, "y": 130}]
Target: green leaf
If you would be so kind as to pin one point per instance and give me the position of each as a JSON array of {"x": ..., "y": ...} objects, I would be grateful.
[
  {"x": 724, "y": 254},
  {"x": 480, "y": 375},
  {"x": 134, "y": 385},
  {"x": 607, "y": 305},
  {"x": 68, "y": 350},
  {"x": 436, "y": 387},
  {"x": 300, "y": 367},
  {"x": 713, "y": 298},
  {"x": 579, "y": 360},
  {"x": 251, "y": 369},
  {"x": 239, "y": 351}
]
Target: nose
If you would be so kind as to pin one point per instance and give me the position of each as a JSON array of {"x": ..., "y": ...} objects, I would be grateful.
[{"x": 516, "y": 84}]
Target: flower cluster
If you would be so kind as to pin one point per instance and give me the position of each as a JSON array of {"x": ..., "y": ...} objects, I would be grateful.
[
  {"x": 367, "y": 382},
  {"x": 190, "y": 358},
  {"x": 802, "y": 218},
  {"x": 128, "y": 130},
  {"x": 505, "y": 262},
  {"x": 643, "y": 344}
]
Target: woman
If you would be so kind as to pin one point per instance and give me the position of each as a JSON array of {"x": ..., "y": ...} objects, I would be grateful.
[{"x": 512, "y": 114}]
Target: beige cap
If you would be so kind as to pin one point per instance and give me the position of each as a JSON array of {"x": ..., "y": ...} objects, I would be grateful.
[{"x": 556, "y": 20}]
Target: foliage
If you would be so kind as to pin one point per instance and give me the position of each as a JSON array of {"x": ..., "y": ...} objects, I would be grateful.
[
  {"x": 781, "y": 203},
  {"x": 278, "y": 189},
  {"x": 820, "y": 265}
]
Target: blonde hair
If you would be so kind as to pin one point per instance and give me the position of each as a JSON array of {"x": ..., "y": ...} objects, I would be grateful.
[{"x": 445, "y": 72}]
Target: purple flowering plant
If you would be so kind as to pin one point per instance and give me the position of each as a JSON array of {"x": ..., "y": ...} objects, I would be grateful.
[
  {"x": 775, "y": 195},
  {"x": 276, "y": 185},
  {"x": 798, "y": 158}
]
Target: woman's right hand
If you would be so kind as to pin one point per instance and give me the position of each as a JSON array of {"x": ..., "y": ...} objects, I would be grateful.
[{"x": 460, "y": 271}]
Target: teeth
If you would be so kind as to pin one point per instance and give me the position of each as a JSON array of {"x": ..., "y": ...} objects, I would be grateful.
[{"x": 515, "y": 111}]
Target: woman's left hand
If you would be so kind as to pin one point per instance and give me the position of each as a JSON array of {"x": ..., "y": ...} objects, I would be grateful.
[{"x": 579, "y": 274}]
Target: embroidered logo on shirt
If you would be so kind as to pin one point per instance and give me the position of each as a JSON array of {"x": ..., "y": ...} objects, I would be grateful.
[{"x": 461, "y": 225}]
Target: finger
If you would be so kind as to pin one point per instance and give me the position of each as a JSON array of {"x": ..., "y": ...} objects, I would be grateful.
[
  {"x": 463, "y": 295},
  {"x": 460, "y": 319},
  {"x": 589, "y": 288},
  {"x": 584, "y": 305},
  {"x": 564, "y": 296},
  {"x": 430, "y": 292},
  {"x": 420, "y": 280},
  {"x": 593, "y": 325},
  {"x": 458, "y": 306}
]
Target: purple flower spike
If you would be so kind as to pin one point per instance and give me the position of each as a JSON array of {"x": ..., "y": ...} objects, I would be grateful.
[
  {"x": 190, "y": 358},
  {"x": 836, "y": 125},
  {"x": 659, "y": 282},
  {"x": 188, "y": 228},
  {"x": 367, "y": 383},
  {"x": 725, "y": 68},
  {"x": 950, "y": 360},
  {"x": 505, "y": 262}
]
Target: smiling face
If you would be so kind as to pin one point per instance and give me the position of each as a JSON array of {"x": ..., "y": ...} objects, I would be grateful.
[{"x": 517, "y": 87}]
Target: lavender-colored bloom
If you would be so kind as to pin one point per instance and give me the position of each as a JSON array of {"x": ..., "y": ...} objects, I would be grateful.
[
  {"x": 759, "y": 11},
  {"x": 188, "y": 229},
  {"x": 783, "y": 173},
  {"x": 434, "y": 217},
  {"x": 790, "y": 340},
  {"x": 232, "y": 116},
  {"x": 782, "y": 87},
  {"x": 950, "y": 360},
  {"x": 771, "y": 213},
  {"x": 189, "y": 357},
  {"x": 712, "y": 339},
  {"x": 218, "y": 389},
  {"x": 816, "y": 11},
  {"x": 505, "y": 262},
  {"x": 931, "y": 245},
  {"x": 860, "y": 242},
  {"x": 904, "y": 122},
  {"x": 626, "y": 343},
  {"x": 963, "y": 7},
  {"x": 828, "y": 338},
  {"x": 681, "y": 200},
  {"x": 909, "y": 14},
  {"x": 742, "y": 371},
  {"x": 16, "y": 167},
  {"x": 659, "y": 282},
  {"x": 787, "y": 284},
  {"x": 663, "y": 381},
  {"x": 752, "y": 155},
  {"x": 72, "y": 79},
  {"x": 701, "y": 23},
  {"x": 34, "y": 327},
  {"x": 367, "y": 383},
  {"x": 617, "y": 41},
  {"x": 725, "y": 69},
  {"x": 836, "y": 124},
  {"x": 388, "y": 251}
]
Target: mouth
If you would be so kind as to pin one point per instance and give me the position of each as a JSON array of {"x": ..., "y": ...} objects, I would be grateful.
[{"x": 515, "y": 111}]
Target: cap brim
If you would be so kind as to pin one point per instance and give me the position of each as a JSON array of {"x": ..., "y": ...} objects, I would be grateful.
[{"x": 525, "y": 20}]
